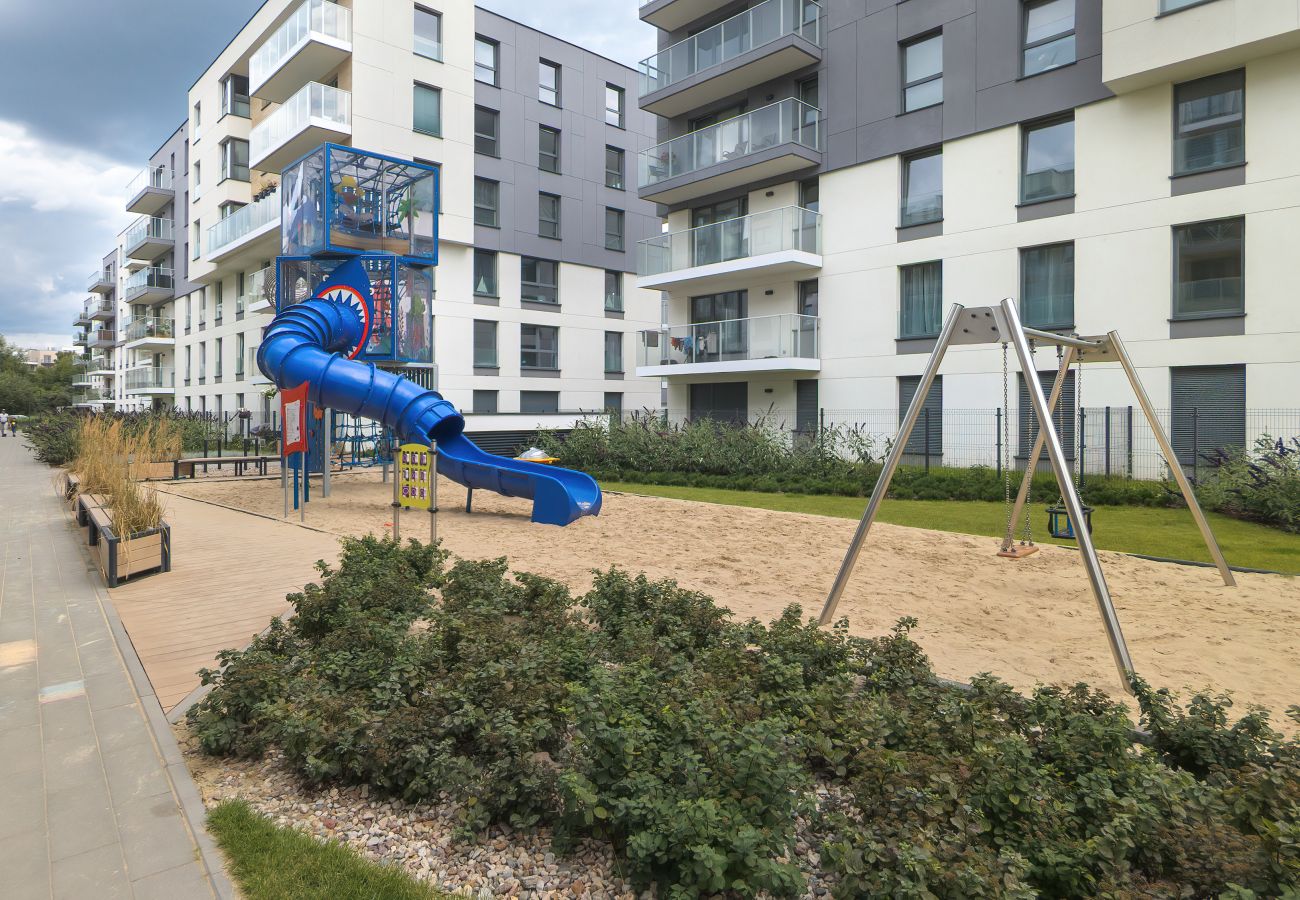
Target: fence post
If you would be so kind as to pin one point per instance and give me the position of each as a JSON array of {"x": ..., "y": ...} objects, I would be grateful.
[
  {"x": 1196, "y": 443},
  {"x": 926, "y": 413},
  {"x": 1128, "y": 441},
  {"x": 997, "y": 436},
  {"x": 205, "y": 453},
  {"x": 1083, "y": 437},
  {"x": 1108, "y": 442},
  {"x": 821, "y": 428}
]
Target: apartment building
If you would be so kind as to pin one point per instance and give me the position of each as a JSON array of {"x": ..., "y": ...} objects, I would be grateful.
[
  {"x": 535, "y": 307},
  {"x": 835, "y": 177}
]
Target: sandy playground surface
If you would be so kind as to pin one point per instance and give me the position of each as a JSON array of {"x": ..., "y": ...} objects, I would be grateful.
[{"x": 1029, "y": 621}]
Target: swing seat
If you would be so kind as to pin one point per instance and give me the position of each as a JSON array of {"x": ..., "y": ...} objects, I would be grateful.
[
  {"x": 1018, "y": 551},
  {"x": 1059, "y": 524}
]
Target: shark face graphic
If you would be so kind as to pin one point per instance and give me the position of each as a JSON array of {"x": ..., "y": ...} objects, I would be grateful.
[{"x": 349, "y": 296}]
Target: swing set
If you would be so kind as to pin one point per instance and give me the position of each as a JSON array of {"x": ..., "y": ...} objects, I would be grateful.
[{"x": 1068, "y": 517}]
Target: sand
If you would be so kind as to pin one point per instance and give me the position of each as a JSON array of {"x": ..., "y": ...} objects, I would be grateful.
[{"x": 1030, "y": 621}]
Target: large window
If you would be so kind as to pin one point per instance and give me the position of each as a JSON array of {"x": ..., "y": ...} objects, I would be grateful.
[
  {"x": 922, "y": 189},
  {"x": 548, "y": 82},
  {"x": 239, "y": 357},
  {"x": 234, "y": 159},
  {"x": 1047, "y": 161},
  {"x": 539, "y": 347},
  {"x": 1047, "y": 286},
  {"x": 927, "y": 435},
  {"x": 1207, "y": 410},
  {"x": 614, "y": 224},
  {"x": 1210, "y": 123},
  {"x": 540, "y": 280},
  {"x": 613, "y": 291},
  {"x": 923, "y": 73},
  {"x": 487, "y": 131},
  {"x": 548, "y": 215},
  {"x": 1049, "y": 35},
  {"x": 487, "y": 202},
  {"x": 1209, "y": 262},
  {"x": 428, "y": 33},
  {"x": 613, "y": 352},
  {"x": 614, "y": 167},
  {"x": 539, "y": 401},
  {"x": 548, "y": 149},
  {"x": 485, "y": 344},
  {"x": 485, "y": 273},
  {"x": 487, "y": 55},
  {"x": 234, "y": 96},
  {"x": 428, "y": 110},
  {"x": 218, "y": 358},
  {"x": 614, "y": 101},
  {"x": 920, "y": 289}
]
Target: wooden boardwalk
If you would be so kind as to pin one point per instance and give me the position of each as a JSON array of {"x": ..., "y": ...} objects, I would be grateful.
[{"x": 230, "y": 574}]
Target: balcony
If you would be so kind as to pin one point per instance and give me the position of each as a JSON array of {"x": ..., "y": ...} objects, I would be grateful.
[
  {"x": 150, "y": 331},
  {"x": 149, "y": 238},
  {"x": 80, "y": 338},
  {"x": 259, "y": 292},
  {"x": 313, "y": 41},
  {"x": 150, "y": 191},
  {"x": 84, "y": 317},
  {"x": 772, "y": 39},
  {"x": 673, "y": 14},
  {"x": 151, "y": 380},
  {"x": 101, "y": 282},
  {"x": 246, "y": 228},
  {"x": 775, "y": 242},
  {"x": 786, "y": 343},
  {"x": 103, "y": 337},
  {"x": 101, "y": 366},
  {"x": 315, "y": 115},
  {"x": 771, "y": 141},
  {"x": 151, "y": 286},
  {"x": 104, "y": 311},
  {"x": 81, "y": 377}
]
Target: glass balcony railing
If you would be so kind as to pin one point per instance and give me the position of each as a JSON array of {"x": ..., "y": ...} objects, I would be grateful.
[
  {"x": 100, "y": 365},
  {"x": 1209, "y": 296},
  {"x": 788, "y": 336},
  {"x": 920, "y": 208},
  {"x": 787, "y": 121},
  {"x": 103, "y": 337},
  {"x": 147, "y": 377},
  {"x": 313, "y": 104},
  {"x": 80, "y": 337},
  {"x": 259, "y": 290},
  {"x": 155, "y": 177},
  {"x": 150, "y": 327},
  {"x": 243, "y": 222},
  {"x": 1213, "y": 150},
  {"x": 152, "y": 278},
  {"x": 98, "y": 278},
  {"x": 727, "y": 40},
  {"x": 314, "y": 17},
  {"x": 788, "y": 228},
  {"x": 149, "y": 228}
]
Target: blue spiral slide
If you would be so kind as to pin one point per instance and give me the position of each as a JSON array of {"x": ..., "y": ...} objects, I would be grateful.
[{"x": 310, "y": 342}]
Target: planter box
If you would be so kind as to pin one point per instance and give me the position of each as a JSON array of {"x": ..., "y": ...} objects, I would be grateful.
[
  {"x": 155, "y": 471},
  {"x": 69, "y": 484},
  {"x": 123, "y": 558}
]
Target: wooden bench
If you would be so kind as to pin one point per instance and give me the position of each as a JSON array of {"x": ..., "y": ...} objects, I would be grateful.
[
  {"x": 100, "y": 520},
  {"x": 71, "y": 484},
  {"x": 183, "y": 468}
]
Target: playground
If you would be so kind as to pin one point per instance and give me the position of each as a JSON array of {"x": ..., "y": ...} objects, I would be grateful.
[{"x": 1029, "y": 621}]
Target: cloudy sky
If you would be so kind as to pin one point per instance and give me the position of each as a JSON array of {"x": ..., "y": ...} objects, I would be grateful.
[{"x": 90, "y": 90}]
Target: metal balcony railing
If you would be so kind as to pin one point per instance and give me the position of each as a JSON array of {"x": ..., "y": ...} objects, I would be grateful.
[
  {"x": 788, "y": 228},
  {"x": 789, "y": 336},
  {"x": 755, "y": 27},
  {"x": 312, "y": 17}
]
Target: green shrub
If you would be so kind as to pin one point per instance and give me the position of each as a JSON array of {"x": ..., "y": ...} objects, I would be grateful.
[
  {"x": 55, "y": 439},
  {"x": 1262, "y": 485}
]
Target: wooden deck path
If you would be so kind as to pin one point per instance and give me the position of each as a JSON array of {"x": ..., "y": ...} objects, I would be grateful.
[{"x": 230, "y": 574}]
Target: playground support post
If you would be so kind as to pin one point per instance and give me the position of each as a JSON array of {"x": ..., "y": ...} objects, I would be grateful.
[
  {"x": 327, "y": 446},
  {"x": 284, "y": 479},
  {"x": 302, "y": 468},
  {"x": 433, "y": 493},
  {"x": 397, "y": 506}
]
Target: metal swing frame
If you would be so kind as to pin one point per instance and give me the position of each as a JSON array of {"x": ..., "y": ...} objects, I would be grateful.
[{"x": 1001, "y": 324}]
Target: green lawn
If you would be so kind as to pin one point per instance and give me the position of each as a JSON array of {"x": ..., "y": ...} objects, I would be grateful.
[
  {"x": 273, "y": 863},
  {"x": 1131, "y": 529}
]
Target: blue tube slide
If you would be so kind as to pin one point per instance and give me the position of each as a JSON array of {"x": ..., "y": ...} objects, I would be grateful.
[{"x": 306, "y": 343}]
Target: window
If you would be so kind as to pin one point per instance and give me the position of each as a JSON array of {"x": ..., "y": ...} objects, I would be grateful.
[
  {"x": 485, "y": 273},
  {"x": 198, "y": 120},
  {"x": 923, "y": 73},
  {"x": 486, "y": 202},
  {"x": 539, "y": 280},
  {"x": 922, "y": 189},
  {"x": 485, "y": 344},
  {"x": 188, "y": 361},
  {"x": 548, "y": 149},
  {"x": 1210, "y": 123},
  {"x": 613, "y": 229},
  {"x": 428, "y": 110},
  {"x": 229, "y": 208},
  {"x": 234, "y": 159},
  {"x": 428, "y": 33},
  {"x": 217, "y": 357},
  {"x": 614, "y": 402},
  {"x": 198, "y": 173},
  {"x": 548, "y": 215},
  {"x": 1049, "y": 35},
  {"x": 196, "y": 240},
  {"x": 539, "y": 347},
  {"x": 1209, "y": 261},
  {"x": 548, "y": 82},
  {"x": 234, "y": 96},
  {"x": 218, "y": 303},
  {"x": 486, "y": 54},
  {"x": 487, "y": 125},
  {"x": 613, "y": 105},
  {"x": 1065, "y": 418},
  {"x": 1207, "y": 410},
  {"x": 1047, "y": 286},
  {"x": 927, "y": 435},
  {"x": 539, "y": 401},
  {"x": 613, "y": 291},
  {"x": 188, "y": 310},
  {"x": 614, "y": 352},
  {"x": 1167, "y": 6},
  {"x": 920, "y": 299},
  {"x": 239, "y": 358},
  {"x": 1047, "y": 161},
  {"x": 485, "y": 402},
  {"x": 614, "y": 165}
]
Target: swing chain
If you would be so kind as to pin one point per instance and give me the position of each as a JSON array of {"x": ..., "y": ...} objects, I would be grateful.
[
  {"x": 1079, "y": 420},
  {"x": 1027, "y": 531},
  {"x": 1010, "y": 538}
]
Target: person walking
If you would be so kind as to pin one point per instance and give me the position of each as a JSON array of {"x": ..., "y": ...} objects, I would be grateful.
[
  {"x": 4, "y": 423},
  {"x": 13, "y": 426}
]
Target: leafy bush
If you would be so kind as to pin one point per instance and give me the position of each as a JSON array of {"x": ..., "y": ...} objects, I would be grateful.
[
  {"x": 1262, "y": 484},
  {"x": 709, "y": 751}
]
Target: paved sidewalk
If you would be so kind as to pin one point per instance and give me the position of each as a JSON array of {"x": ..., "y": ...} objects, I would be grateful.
[{"x": 93, "y": 795}]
